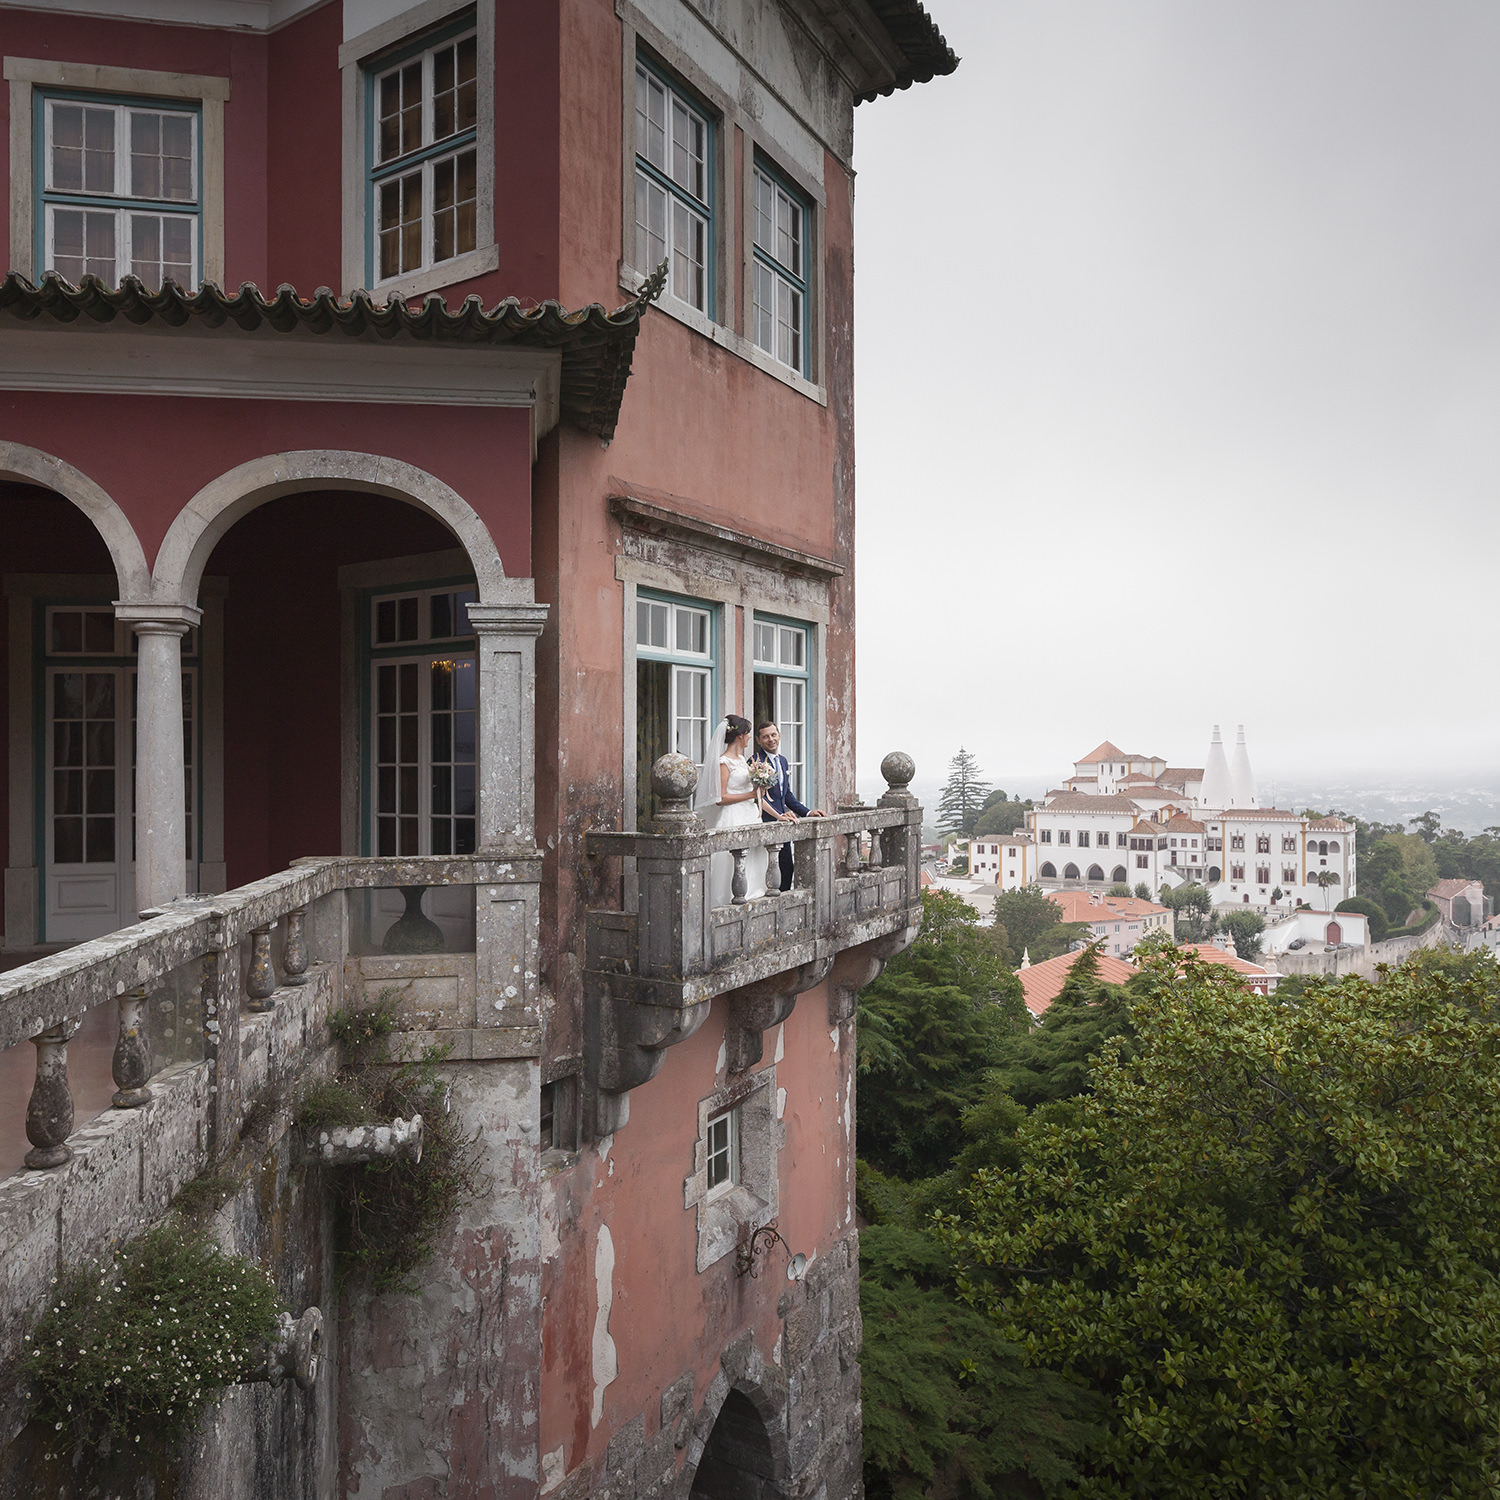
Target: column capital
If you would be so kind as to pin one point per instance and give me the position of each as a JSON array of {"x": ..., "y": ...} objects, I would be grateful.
[
  {"x": 159, "y": 619},
  {"x": 508, "y": 619}
]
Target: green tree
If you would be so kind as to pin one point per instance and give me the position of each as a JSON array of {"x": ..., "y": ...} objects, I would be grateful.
[
  {"x": 999, "y": 816},
  {"x": 1371, "y": 910},
  {"x": 962, "y": 796},
  {"x": 1194, "y": 908},
  {"x": 1323, "y": 879},
  {"x": 1268, "y": 1239},
  {"x": 1245, "y": 928},
  {"x": 950, "y": 1406},
  {"x": 1051, "y": 1061},
  {"x": 928, "y": 1029},
  {"x": 1143, "y": 891},
  {"x": 1119, "y": 889},
  {"x": 1428, "y": 826},
  {"x": 1033, "y": 924}
]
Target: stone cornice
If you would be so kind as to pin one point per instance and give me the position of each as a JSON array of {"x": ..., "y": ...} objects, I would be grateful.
[{"x": 645, "y": 515}]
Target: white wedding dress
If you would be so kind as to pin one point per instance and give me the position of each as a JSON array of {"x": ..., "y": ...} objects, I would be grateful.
[{"x": 736, "y": 815}]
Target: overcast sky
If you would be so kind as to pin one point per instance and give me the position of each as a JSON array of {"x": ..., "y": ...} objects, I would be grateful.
[{"x": 1178, "y": 400}]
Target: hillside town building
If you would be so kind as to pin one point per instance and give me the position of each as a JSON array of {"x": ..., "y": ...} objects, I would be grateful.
[
  {"x": 421, "y": 421},
  {"x": 1131, "y": 819},
  {"x": 1117, "y": 923}
]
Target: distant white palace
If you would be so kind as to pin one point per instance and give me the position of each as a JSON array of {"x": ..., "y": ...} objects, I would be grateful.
[{"x": 1127, "y": 819}]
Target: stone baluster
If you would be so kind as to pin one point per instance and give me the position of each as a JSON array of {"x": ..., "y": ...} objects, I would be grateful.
[
  {"x": 877, "y": 856},
  {"x": 49, "y": 1114},
  {"x": 294, "y": 950},
  {"x": 852, "y": 859},
  {"x": 739, "y": 883},
  {"x": 132, "y": 1060},
  {"x": 773, "y": 869},
  {"x": 260, "y": 982}
]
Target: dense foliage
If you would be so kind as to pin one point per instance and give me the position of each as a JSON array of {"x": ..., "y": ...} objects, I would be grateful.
[
  {"x": 928, "y": 1029},
  {"x": 391, "y": 1214},
  {"x": 1033, "y": 925},
  {"x": 139, "y": 1346},
  {"x": 1001, "y": 814},
  {"x": 1269, "y": 1238},
  {"x": 1244, "y": 929}
]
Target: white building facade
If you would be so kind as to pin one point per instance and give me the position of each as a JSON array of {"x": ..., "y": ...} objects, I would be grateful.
[{"x": 1125, "y": 818}]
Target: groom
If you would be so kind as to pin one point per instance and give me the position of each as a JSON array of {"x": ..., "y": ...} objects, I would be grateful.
[{"x": 781, "y": 804}]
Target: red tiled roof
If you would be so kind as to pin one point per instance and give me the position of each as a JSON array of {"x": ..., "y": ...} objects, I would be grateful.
[
  {"x": 1076, "y": 906},
  {"x": 1066, "y": 801},
  {"x": 1445, "y": 890},
  {"x": 1106, "y": 751},
  {"x": 1212, "y": 954},
  {"x": 1042, "y": 983},
  {"x": 1184, "y": 773},
  {"x": 1181, "y": 823}
]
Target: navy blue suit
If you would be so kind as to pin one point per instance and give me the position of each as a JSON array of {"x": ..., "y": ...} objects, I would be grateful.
[{"x": 781, "y": 798}]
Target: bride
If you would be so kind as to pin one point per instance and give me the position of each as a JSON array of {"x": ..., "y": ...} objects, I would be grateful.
[{"x": 726, "y": 799}]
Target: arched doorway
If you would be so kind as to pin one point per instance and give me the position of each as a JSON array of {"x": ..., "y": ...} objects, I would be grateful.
[
  {"x": 1215, "y": 874},
  {"x": 1048, "y": 871},
  {"x": 1333, "y": 934},
  {"x": 1096, "y": 872},
  {"x": 1118, "y": 875},
  {"x": 68, "y": 553},
  {"x": 1070, "y": 872},
  {"x": 739, "y": 1461}
]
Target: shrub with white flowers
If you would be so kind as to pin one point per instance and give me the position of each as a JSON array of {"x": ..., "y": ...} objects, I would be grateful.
[{"x": 147, "y": 1340}]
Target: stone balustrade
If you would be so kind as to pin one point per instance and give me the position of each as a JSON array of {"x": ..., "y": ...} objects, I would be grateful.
[
  {"x": 654, "y": 965},
  {"x": 239, "y": 948}
]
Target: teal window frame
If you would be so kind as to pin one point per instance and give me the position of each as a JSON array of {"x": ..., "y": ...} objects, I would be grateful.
[
  {"x": 45, "y": 197},
  {"x": 767, "y": 265},
  {"x": 708, "y": 660},
  {"x": 804, "y": 767},
  {"x": 379, "y": 172},
  {"x": 704, "y": 208}
]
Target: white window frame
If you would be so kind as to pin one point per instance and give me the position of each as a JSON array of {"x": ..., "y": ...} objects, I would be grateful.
[
  {"x": 684, "y": 208},
  {"x": 731, "y": 1211},
  {"x": 772, "y": 274},
  {"x": 687, "y": 667},
  {"x": 422, "y": 160},
  {"x": 120, "y": 202},
  {"x": 26, "y": 74},
  {"x": 370, "y": 49},
  {"x": 792, "y": 679},
  {"x": 723, "y": 1146}
]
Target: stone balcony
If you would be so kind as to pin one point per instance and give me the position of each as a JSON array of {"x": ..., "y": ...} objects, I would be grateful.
[{"x": 654, "y": 966}]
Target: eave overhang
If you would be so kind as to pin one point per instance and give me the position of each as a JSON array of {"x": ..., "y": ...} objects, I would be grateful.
[
  {"x": 881, "y": 45},
  {"x": 591, "y": 348}
]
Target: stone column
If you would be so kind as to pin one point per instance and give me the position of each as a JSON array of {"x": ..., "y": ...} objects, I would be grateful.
[
  {"x": 507, "y": 635},
  {"x": 160, "y": 813}
]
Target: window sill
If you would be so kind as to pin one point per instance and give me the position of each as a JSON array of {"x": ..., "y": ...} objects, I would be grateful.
[
  {"x": 632, "y": 280},
  {"x": 449, "y": 273}
]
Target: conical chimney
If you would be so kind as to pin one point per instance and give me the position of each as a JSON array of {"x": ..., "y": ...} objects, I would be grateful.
[
  {"x": 1218, "y": 787},
  {"x": 1241, "y": 777}
]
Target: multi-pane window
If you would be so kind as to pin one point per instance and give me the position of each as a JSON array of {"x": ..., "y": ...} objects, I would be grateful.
[
  {"x": 673, "y": 186},
  {"x": 121, "y": 190},
  {"x": 781, "y": 256},
  {"x": 1236, "y": 872},
  {"x": 1289, "y": 874},
  {"x": 723, "y": 1152},
  {"x": 1263, "y": 874},
  {"x": 1064, "y": 836},
  {"x": 1236, "y": 841},
  {"x": 1288, "y": 846},
  {"x": 674, "y": 676},
  {"x": 424, "y": 163},
  {"x": 424, "y": 755},
  {"x": 1263, "y": 843},
  {"x": 783, "y": 665},
  {"x": 1046, "y": 835},
  {"x": 1083, "y": 838}
]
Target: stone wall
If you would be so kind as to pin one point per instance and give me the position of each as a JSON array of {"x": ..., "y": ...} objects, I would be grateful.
[
  {"x": 785, "y": 1427},
  {"x": 1317, "y": 964}
]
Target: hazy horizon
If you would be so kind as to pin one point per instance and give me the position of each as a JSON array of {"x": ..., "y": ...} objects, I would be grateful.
[{"x": 1178, "y": 365}]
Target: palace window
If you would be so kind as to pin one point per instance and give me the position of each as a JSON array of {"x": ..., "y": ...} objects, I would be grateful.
[
  {"x": 1289, "y": 874},
  {"x": 1237, "y": 841},
  {"x": 723, "y": 1152},
  {"x": 1064, "y": 835},
  {"x": 675, "y": 684},
  {"x": 783, "y": 692},
  {"x": 781, "y": 270},
  {"x": 673, "y": 187},
  {"x": 1083, "y": 838},
  {"x": 1288, "y": 846},
  {"x": 423, "y": 116},
  {"x": 1120, "y": 840},
  {"x": 1263, "y": 874},
  {"x": 1045, "y": 835},
  {"x": 1143, "y": 861},
  {"x": 121, "y": 190},
  {"x": 1236, "y": 872},
  {"x": 1263, "y": 843},
  {"x": 424, "y": 701}
]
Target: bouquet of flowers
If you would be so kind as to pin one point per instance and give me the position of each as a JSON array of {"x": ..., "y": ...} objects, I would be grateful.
[{"x": 762, "y": 774}]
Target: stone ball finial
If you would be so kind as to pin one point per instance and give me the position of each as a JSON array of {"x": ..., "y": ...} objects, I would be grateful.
[
  {"x": 898, "y": 768},
  {"x": 674, "y": 778}
]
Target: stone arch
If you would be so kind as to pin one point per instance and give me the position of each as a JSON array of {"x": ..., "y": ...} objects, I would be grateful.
[
  {"x": 743, "y": 1454},
  {"x": 32, "y": 466},
  {"x": 1096, "y": 872},
  {"x": 1070, "y": 872},
  {"x": 1048, "y": 871},
  {"x": 193, "y": 535},
  {"x": 1215, "y": 874},
  {"x": 1118, "y": 875}
]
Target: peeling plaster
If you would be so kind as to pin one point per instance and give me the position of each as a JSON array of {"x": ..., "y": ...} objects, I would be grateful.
[
  {"x": 724, "y": 1056},
  {"x": 551, "y": 1240},
  {"x": 833, "y": 1036},
  {"x": 780, "y": 1103},
  {"x": 552, "y": 1469},
  {"x": 606, "y": 1142},
  {"x": 606, "y": 1360},
  {"x": 780, "y": 1042}
]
